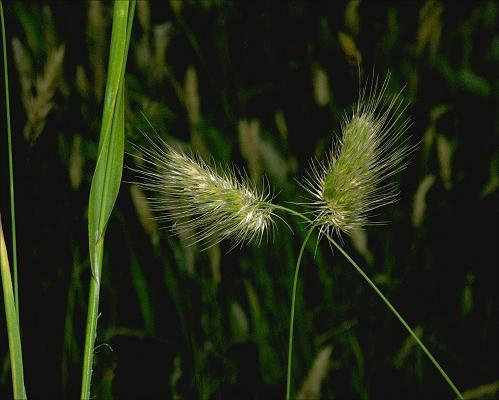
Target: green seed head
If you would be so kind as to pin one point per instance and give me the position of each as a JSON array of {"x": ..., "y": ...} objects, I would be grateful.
[
  {"x": 215, "y": 205},
  {"x": 354, "y": 179}
]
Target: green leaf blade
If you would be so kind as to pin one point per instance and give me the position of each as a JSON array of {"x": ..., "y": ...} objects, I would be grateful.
[{"x": 107, "y": 176}]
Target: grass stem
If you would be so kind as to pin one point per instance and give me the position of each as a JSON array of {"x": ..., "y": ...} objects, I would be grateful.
[
  {"x": 10, "y": 292},
  {"x": 378, "y": 292},
  {"x": 399, "y": 317},
  {"x": 107, "y": 176},
  {"x": 14, "y": 337},
  {"x": 292, "y": 318},
  {"x": 11, "y": 166},
  {"x": 91, "y": 330}
]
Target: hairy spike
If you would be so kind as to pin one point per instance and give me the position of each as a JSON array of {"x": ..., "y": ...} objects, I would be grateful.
[
  {"x": 353, "y": 180},
  {"x": 213, "y": 203}
]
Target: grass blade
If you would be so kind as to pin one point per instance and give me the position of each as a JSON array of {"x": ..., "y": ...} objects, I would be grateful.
[
  {"x": 107, "y": 176},
  {"x": 11, "y": 166},
  {"x": 16, "y": 358},
  {"x": 10, "y": 293}
]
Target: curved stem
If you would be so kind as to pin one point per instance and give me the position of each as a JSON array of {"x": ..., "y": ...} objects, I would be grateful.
[
  {"x": 400, "y": 318},
  {"x": 290, "y": 211},
  {"x": 292, "y": 319},
  {"x": 381, "y": 295}
]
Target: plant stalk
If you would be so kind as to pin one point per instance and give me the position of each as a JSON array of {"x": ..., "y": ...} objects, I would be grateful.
[
  {"x": 91, "y": 330},
  {"x": 10, "y": 292},
  {"x": 11, "y": 166},
  {"x": 399, "y": 317},
  {"x": 292, "y": 318},
  {"x": 14, "y": 337},
  {"x": 107, "y": 175},
  {"x": 380, "y": 294}
]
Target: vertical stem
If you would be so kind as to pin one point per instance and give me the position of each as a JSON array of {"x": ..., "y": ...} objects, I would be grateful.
[
  {"x": 10, "y": 294},
  {"x": 107, "y": 176},
  {"x": 380, "y": 294},
  {"x": 91, "y": 331},
  {"x": 11, "y": 166},
  {"x": 292, "y": 319},
  {"x": 14, "y": 337}
]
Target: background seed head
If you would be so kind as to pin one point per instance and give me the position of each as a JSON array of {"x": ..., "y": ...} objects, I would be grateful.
[
  {"x": 212, "y": 203},
  {"x": 354, "y": 179}
]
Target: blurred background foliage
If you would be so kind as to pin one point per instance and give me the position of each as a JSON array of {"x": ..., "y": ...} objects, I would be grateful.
[{"x": 264, "y": 86}]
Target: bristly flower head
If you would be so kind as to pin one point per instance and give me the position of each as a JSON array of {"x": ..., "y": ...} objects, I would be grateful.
[
  {"x": 354, "y": 180},
  {"x": 213, "y": 204}
]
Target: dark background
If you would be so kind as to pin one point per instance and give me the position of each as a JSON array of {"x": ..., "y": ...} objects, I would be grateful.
[{"x": 179, "y": 323}]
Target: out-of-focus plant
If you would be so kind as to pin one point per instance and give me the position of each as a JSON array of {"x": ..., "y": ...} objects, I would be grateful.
[{"x": 10, "y": 291}]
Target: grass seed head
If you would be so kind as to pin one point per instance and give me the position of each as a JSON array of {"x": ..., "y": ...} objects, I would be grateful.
[
  {"x": 215, "y": 204},
  {"x": 354, "y": 179}
]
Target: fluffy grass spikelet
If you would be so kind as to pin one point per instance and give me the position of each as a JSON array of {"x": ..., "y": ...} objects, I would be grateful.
[
  {"x": 354, "y": 180},
  {"x": 210, "y": 203}
]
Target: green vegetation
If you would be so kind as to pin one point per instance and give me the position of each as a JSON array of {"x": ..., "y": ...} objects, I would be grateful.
[
  {"x": 264, "y": 87},
  {"x": 107, "y": 176},
  {"x": 10, "y": 289}
]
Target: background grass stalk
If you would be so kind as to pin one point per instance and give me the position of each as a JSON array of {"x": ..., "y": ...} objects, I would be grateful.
[
  {"x": 11, "y": 166},
  {"x": 107, "y": 176},
  {"x": 16, "y": 358},
  {"x": 10, "y": 292},
  {"x": 292, "y": 317},
  {"x": 378, "y": 292}
]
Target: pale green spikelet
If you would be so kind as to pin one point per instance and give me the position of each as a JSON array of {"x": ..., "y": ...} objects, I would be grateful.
[
  {"x": 215, "y": 204},
  {"x": 354, "y": 180}
]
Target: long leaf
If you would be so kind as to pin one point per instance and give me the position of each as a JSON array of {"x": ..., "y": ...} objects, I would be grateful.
[
  {"x": 11, "y": 166},
  {"x": 10, "y": 292},
  {"x": 107, "y": 176},
  {"x": 16, "y": 358}
]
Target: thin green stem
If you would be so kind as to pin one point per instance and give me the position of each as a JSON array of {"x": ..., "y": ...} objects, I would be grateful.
[
  {"x": 11, "y": 166},
  {"x": 382, "y": 296},
  {"x": 91, "y": 331},
  {"x": 394, "y": 311},
  {"x": 292, "y": 319},
  {"x": 290, "y": 211}
]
